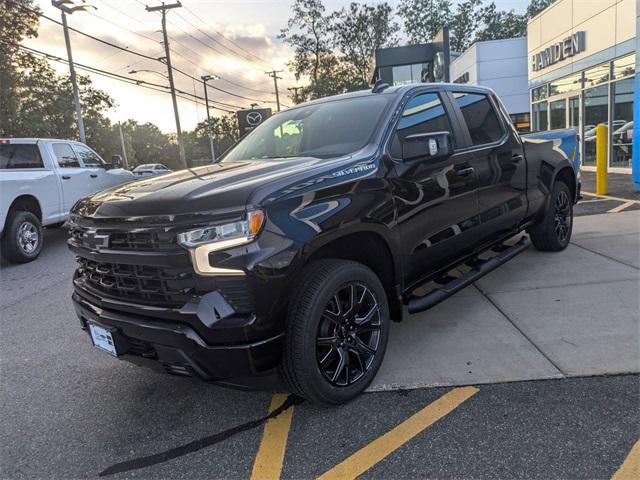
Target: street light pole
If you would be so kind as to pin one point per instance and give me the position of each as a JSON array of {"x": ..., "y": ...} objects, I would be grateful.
[
  {"x": 163, "y": 9},
  {"x": 64, "y": 7},
  {"x": 206, "y": 78},
  {"x": 124, "y": 150}
]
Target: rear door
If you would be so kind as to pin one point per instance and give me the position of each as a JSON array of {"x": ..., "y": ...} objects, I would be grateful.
[
  {"x": 499, "y": 161},
  {"x": 74, "y": 178},
  {"x": 436, "y": 199},
  {"x": 23, "y": 172}
]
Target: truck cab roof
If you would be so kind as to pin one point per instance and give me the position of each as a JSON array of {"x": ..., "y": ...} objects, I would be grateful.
[{"x": 401, "y": 90}]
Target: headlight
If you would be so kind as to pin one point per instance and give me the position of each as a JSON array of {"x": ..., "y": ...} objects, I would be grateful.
[{"x": 202, "y": 241}]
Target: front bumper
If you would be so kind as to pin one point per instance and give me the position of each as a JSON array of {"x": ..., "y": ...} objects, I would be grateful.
[{"x": 177, "y": 348}]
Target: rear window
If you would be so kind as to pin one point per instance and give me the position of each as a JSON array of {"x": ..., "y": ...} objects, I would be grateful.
[
  {"x": 480, "y": 116},
  {"x": 20, "y": 156}
]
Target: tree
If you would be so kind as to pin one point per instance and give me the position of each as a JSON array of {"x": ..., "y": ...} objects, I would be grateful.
[
  {"x": 536, "y": 6},
  {"x": 498, "y": 25},
  {"x": 308, "y": 32},
  {"x": 424, "y": 18},
  {"x": 361, "y": 29},
  {"x": 37, "y": 102},
  {"x": 16, "y": 23},
  {"x": 464, "y": 24}
]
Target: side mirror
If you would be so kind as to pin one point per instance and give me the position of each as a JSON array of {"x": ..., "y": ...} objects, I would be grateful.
[
  {"x": 427, "y": 146},
  {"x": 116, "y": 161}
]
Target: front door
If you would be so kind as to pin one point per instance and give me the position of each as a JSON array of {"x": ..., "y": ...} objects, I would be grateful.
[
  {"x": 74, "y": 179},
  {"x": 436, "y": 199},
  {"x": 99, "y": 178},
  {"x": 500, "y": 165}
]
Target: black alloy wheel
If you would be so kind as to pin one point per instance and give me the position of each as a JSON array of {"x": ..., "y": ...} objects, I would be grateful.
[
  {"x": 336, "y": 333},
  {"x": 348, "y": 334},
  {"x": 563, "y": 216},
  {"x": 553, "y": 231}
]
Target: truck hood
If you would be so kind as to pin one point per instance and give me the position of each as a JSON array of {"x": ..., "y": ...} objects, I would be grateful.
[{"x": 211, "y": 188}]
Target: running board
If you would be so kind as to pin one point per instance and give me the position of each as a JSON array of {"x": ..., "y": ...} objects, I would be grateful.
[{"x": 481, "y": 267}]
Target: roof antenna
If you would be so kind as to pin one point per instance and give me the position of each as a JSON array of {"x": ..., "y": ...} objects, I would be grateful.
[{"x": 379, "y": 86}]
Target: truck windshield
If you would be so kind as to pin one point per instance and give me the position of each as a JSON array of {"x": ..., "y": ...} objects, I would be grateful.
[{"x": 323, "y": 130}]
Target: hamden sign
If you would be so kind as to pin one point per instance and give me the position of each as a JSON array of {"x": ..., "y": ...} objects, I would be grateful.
[{"x": 558, "y": 52}]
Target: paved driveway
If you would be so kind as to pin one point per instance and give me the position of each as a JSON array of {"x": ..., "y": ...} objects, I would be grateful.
[{"x": 70, "y": 411}]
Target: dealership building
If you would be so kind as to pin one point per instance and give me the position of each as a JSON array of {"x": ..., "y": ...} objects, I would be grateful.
[
  {"x": 575, "y": 69},
  {"x": 502, "y": 66},
  {"x": 581, "y": 69}
]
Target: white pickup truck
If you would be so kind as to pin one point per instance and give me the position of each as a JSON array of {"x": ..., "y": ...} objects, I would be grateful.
[{"x": 40, "y": 180}]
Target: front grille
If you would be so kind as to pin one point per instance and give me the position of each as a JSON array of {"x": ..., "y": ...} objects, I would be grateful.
[
  {"x": 165, "y": 287},
  {"x": 139, "y": 241},
  {"x": 168, "y": 287}
]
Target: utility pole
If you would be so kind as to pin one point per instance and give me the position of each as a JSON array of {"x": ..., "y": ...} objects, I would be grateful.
[
  {"x": 66, "y": 6},
  {"x": 205, "y": 79},
  {"x": 274, "y": 74},
  {"x": 124, "y": 150},
  {"x": 295, "y": 93},
  {"x": 163, "y": 8}
]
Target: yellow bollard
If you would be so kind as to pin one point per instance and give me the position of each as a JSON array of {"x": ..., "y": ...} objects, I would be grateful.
[{"x": 601, "y": 159}]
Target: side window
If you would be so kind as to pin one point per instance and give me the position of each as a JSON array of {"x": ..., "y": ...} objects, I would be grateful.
[
  {"x": 65, "y": 156},
  {"x": 480, "y": 117},
  {"x": 89, "y": 158},
  {"x": 424, "y": 113},
  {"x": 20, "y": 156}
]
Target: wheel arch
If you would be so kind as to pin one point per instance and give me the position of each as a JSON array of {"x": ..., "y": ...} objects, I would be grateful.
[
  {"x": 566, "y": 174},
  {"x": 373, "y": 250},
  {"x": 27, "y": 203}
]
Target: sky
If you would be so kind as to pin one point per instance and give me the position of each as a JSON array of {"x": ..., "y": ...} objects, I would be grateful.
[{"x": 234, "y": 39}]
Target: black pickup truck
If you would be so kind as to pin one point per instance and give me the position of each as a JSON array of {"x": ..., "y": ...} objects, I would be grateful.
[{"x": 297, "y": 250}]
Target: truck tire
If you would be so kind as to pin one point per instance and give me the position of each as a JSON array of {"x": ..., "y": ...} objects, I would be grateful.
[
  {"x": 553, "y": 233},
  {"x": 336, "y": 333},
  {"x": 22, "y": 238}
]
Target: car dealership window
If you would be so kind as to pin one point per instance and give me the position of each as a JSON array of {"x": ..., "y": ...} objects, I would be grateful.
[
  {"x": 65, "y": 156},
  {"x": 20, "y": 156},
  {"x": 480, "y": 117}
]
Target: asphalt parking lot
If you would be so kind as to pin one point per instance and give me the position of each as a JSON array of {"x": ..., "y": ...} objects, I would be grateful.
[{"x": 531, "y": 373}]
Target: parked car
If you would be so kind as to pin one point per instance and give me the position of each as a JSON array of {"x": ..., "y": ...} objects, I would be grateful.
[
  {"x": 40, "y": 180},
  {"x": 150, "y": 170},
  {"x": 624, "y": 134},
  {"x": 590, "y": 133},
  {"x": 311, "y": 235}
]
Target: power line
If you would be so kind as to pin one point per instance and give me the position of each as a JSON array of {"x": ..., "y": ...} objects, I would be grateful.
[
  {"x": 142, "y": 55},
  {"x": 147, "y": 57},
  {"x": 220, "y": 43},
  {"x": 130, "y": 80}
]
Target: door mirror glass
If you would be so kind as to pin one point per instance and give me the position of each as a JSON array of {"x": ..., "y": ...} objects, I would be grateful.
[
  {"x": 116, "y": 161},
  {"x": 426, "y": 146}
]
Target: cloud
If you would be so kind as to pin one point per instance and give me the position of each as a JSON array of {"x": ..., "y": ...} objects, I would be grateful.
[{"x": 193, "y": 51}]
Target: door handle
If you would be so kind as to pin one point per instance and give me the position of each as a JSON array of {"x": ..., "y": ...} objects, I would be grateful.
[
  {"x": 517, "y": 158},
  {"x": 66, "y": 177},
  {"x": 94, "y": 175},
  {"x": 465, "y": 172}
]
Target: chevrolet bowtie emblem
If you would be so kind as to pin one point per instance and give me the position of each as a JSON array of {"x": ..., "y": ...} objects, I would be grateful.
[{"x": 92, "y": 240}]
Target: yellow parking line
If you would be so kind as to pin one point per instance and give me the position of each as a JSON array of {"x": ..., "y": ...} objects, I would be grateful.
[
  {"x": 620, "y": 208},
  {"x": 268, "y": 462},
  {"x": 367, "y": 457},
  {"x": 609, "y": 197},
  {"x": 630, "y": 469}
]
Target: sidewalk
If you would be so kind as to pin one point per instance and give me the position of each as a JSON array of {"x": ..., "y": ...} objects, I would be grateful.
[{"x": 542, "y": 315}]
